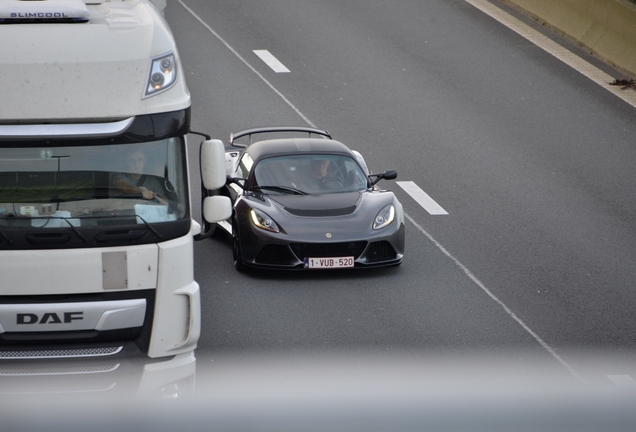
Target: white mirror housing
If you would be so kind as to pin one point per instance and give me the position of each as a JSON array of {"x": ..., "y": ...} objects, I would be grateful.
[
  {"x": 212, "y": 162},
  {"x": 217, "y": 208}
]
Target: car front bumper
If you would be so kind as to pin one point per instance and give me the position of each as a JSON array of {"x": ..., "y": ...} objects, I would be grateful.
[{"x": 262, "y": 249}]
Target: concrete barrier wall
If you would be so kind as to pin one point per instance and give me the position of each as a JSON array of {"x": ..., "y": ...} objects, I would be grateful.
[{"x": 605, "y": 27}]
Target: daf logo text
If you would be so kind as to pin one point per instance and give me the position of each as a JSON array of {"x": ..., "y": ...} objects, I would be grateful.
[{"x": 49, "y": 318}]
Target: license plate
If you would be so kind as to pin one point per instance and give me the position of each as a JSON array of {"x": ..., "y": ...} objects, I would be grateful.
[{"x": 335, "y": 262}]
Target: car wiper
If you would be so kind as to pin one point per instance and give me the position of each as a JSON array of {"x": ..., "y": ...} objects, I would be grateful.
[{"x": 286, "y": 189}]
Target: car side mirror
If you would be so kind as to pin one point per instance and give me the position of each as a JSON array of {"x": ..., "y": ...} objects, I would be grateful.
[
  {"x": 386, "y": 175},
  {"x": 390, "y": 175}
]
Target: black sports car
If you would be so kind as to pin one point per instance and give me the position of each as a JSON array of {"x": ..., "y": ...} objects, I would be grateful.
[{"x": 308, "y": 203}]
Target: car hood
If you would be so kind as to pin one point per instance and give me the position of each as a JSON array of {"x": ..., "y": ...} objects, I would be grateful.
[{"x": 307, "y": 218}]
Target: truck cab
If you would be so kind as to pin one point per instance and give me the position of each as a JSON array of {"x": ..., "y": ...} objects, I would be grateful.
[{"x": 96, "y": 224}]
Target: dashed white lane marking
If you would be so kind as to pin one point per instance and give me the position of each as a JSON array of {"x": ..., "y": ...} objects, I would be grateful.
[
  {"x": 271, "y": 61},
  {"x": 551, "y": 47},
  {"x": 422, "y": 198},
  {"x": 625, "y": 382},
  {"x": 246, "y": 63}
]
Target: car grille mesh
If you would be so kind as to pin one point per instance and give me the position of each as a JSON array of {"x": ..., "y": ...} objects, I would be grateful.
[
  {"x": 275, "y": 255},
  {"x": 380, "y": 251},
  {"x": 317, "y": 250},
  {"x": 321, "y": 212}
]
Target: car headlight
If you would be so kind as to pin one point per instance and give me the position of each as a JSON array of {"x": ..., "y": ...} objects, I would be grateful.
[
  {"x": 262, "y": 221},
  {"x": 162, "y": 75},
  {"x": 384, "y": 217}
]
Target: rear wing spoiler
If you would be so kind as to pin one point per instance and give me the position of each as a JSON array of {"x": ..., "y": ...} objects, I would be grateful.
[{"x": 276, "y": 129}]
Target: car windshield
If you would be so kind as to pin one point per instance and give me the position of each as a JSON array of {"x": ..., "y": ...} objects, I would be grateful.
[
  {"x": 309, "y": 174},
  {"x": 92, "y": 185}
]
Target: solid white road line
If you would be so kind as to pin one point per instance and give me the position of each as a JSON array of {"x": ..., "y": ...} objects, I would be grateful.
[
  {"x": 551, "y": 47},
  {"x": 489, "y": 293},
  {"x": 422, "y": 198},
  {"x": 271, "y": 61},
  {"x": 623, "y": 381}
]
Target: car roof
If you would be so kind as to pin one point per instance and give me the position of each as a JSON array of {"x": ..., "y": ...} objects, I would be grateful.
[{"x": 292, "y": 146}]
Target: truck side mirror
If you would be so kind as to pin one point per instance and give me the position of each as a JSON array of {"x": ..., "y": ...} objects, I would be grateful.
[
  {"x": 212, "y": 160},
  {"x": 217, "y": 208}
]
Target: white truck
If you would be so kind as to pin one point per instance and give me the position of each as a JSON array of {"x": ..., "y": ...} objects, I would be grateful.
[{"x": 96, "y": 227}]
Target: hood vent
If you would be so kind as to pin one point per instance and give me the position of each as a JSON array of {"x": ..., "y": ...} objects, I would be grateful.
[{"x": 321, "y": 212}]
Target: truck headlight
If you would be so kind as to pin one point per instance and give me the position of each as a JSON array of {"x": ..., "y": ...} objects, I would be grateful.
[
  {"x": 384, "y": 217},
  {"x": 162, "y": 75}
]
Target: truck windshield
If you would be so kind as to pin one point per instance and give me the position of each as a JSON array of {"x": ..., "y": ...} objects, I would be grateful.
[{"x": 92, "y": 186}]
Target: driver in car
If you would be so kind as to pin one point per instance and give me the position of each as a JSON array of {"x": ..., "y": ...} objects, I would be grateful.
[
  {"x": 134, "y": 181},
  {"x": 321, "y": 178},
  {"x": 319, "y": 168}
]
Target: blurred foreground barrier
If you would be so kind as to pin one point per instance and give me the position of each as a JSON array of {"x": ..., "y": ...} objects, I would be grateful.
[{"x": 605, "y": 27}]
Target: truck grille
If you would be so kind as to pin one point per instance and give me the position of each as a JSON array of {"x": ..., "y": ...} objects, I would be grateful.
[
  {"x": 57, "y": 370},
  {"x": 60, "y": 353}
]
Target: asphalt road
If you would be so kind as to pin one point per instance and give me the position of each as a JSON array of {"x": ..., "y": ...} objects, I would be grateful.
[{"x": 532, "y": 162}]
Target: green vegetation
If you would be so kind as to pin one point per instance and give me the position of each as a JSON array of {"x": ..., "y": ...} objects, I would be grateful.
[{"x": 46, "y": 194}]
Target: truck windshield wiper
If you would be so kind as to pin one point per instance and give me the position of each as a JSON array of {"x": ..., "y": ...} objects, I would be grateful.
[
  {"x": 285, "y": 189},
  {"x": 76, "y": 231},
  {"x": 6, "y": 239},
  {"x": 73, "y": 227},
  {"x": 151, "y": 228}
]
